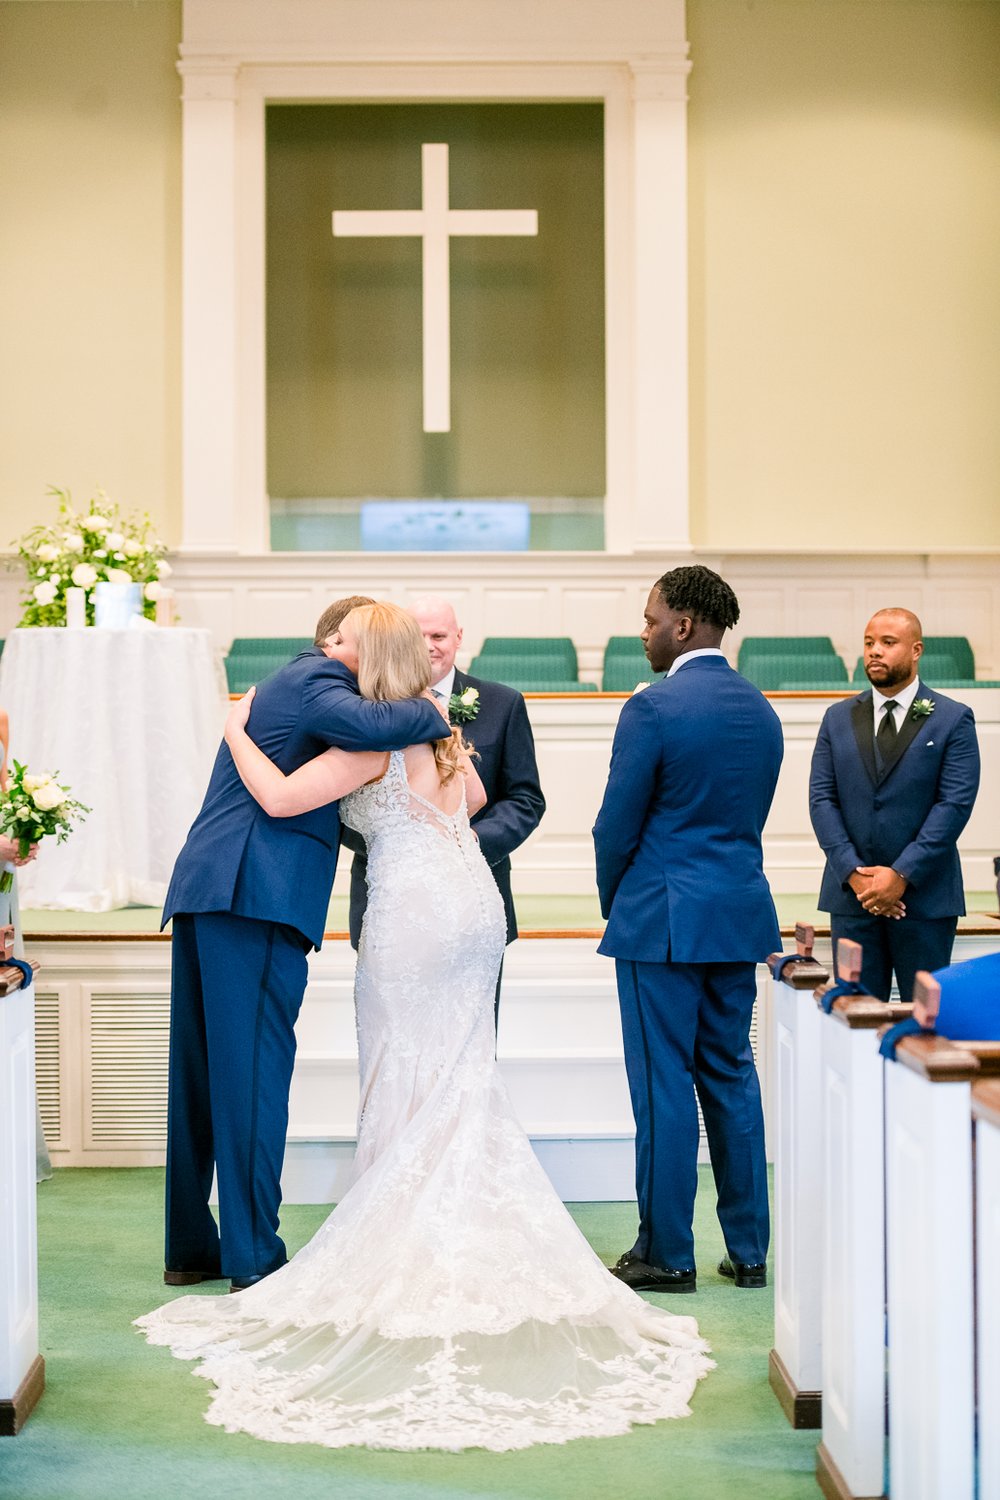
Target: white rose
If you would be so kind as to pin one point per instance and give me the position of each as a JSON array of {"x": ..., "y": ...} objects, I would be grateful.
[
  {"x": 84, "y": 576},
  {"x": 163, "y": 568},
  {"x": 32, "y": 783},
  {"x": 470, "y": 696},
  {"x": 155, "y": 590},
  {"x": 640, "y": 687},
  {"x": 48, "y": 797},
  {"x": 23, "y": 814},
  {"x": 118, "y": 575},
  {"x": 113, "y": 540},
  {"x": 132, "y": 549},
  {"x": 45, "y": 593},
  {"x": 56, "y": 578},
  {"x": 73, "y": 541},
  {"x": 47, "y": 553},
  {"x": 96, "y": 524}
]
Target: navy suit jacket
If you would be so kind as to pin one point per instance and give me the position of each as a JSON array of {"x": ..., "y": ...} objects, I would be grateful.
[
  {"x": 678, "y": 838},
  {"x": 501, "y": 735},
  {"x": 237, "y": 858},
  {"x": 910, "y": 817}
]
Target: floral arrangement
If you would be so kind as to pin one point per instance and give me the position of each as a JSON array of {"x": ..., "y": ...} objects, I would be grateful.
[
  {"x": 33, "y": 808},
  {"x": 463, "y": 707},
  {"x": 84, "y": 548},
  {"x": 922, "y": 707}
]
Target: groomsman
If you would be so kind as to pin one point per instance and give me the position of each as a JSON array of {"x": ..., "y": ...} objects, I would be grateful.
[
  {"x": 495, "y": 721},
  {"x": 689, "y": 916},
  {"x": 248, "y": 898},
  {"x": 894, "y": 778}
]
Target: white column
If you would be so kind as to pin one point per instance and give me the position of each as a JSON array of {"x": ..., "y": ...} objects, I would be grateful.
[
  {"x": 796, "y": 1359},
  {"x": 928, "y": 1173},
  {"x": 210, "y": 464},
  {"x": 986, "y": 1109},
  {"x": 21, "y": 1365},
  {"x": 852, "y": 1454},
  {"x": 659, "y": 521}
]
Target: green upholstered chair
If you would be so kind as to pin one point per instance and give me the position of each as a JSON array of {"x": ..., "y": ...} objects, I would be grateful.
[
  {"x": 783, "y": 645},
  {"x": 243, "y": 672},
  {"x": 936, "y": 667},
  {"x": 282, "y": 646},
  {"x": 623, "y": 646},
  {"x": 623, "y": 673},
  {"x": 555, "y": 647},
  {"x": 511, "y": 667},
  {"x": 772, "y": 673},
  {"x": 955, "y": 646}
]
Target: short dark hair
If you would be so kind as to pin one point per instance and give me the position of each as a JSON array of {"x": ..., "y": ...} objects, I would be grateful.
[
  {"x": 700, "y": 593},
  {"x": 335, "y": 614}
]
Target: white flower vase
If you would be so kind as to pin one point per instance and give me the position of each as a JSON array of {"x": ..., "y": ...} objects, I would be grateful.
[{"x": 115, "y": 604}]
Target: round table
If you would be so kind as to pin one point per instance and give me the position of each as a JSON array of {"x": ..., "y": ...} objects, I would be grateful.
[{"x": 130, "y": 720}]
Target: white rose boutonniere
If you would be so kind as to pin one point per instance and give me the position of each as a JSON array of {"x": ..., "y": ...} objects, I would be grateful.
[
  {"x": 640, "y": 687},
  {"x": 922, "y": 708},
  {"x": 463, "y": 707}
]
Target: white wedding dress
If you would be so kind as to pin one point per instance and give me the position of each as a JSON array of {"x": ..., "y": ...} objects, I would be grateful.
[{"x": 449, "y": 1301}]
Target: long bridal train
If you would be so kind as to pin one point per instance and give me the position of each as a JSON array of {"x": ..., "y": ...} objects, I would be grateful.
[{"x": 449, "y": 1301}]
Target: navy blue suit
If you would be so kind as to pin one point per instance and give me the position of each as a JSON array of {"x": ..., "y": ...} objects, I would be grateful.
[
  {"x": 501, "y": 735},
  {"x": 689, "y": 915},
  {"x": 906, "y": 813},
  {"x": 248, "y": 898}
]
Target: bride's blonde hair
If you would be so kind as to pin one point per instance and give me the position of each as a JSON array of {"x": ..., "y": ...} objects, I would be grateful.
[{"x": 393, "y": 664}]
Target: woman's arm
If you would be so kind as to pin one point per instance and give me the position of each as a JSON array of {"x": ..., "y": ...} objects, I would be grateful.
[{"x": 327, "y": 778}]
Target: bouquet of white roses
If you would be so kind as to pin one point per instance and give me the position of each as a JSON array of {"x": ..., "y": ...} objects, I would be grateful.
[
  {"x": 84, "y": 548},
  {"x": 33, "y": 808}
]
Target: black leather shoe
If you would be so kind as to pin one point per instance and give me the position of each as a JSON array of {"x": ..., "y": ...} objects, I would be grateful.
[
  {"x": 240, "y": 1283},
  {"x": 189, "y": 1278},
  {"x": 742, "y": 1274},
  {"x": 644, "y": 1278}
]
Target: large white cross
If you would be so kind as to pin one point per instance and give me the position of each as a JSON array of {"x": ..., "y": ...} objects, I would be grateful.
[{"x": 435, "y": 223}]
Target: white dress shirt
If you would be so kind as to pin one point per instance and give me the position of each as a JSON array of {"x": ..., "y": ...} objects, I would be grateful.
[
  {"x": 682, "y": 661},
  {"x": 904, "y": 699},
  {"x": 447, "y": 684}
]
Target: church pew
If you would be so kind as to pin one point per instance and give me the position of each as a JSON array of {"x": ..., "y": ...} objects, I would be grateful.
[
  {"x": 794, "y": 1366},
  {"x": 850, "y": 1459},
  {"x": 932, "y": 1257},
  {"x": 986, "y": 1118},
  {"x": 22, "y": 1370}
]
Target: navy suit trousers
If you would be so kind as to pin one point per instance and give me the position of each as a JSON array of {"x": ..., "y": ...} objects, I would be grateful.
[
  {"x": 237, "y": 985},
  {"x": 905, "y": 946},
  {"x": 686, "y": 1028}
]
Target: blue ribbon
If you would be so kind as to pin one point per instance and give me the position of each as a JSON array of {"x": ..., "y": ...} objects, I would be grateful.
[
  {"x": 27, "y": 972},
  {"x": 786, "y": 958},
  {"x": 910, "y": 1027},
  {"x": 842, "y": 987}
]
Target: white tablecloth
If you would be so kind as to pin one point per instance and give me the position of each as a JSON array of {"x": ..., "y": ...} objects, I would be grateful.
[{"x": 131, "y": 720}]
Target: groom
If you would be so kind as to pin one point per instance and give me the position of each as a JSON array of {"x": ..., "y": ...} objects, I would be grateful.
[
  {"x": 680, "y": 874},
  {"x": 249, "y": 898}
]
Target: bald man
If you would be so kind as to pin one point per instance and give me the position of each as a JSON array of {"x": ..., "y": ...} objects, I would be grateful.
[
  {"x": 894, "y": 778},
  {"x": 495, "y": 722}
]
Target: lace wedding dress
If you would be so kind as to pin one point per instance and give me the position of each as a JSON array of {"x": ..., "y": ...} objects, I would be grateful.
[{"x": 449, "y": 1301}]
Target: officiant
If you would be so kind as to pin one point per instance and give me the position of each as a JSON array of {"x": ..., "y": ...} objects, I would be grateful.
[{"x": 495, "y": 721}]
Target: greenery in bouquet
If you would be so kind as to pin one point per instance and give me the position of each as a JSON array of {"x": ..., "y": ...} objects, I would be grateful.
[
  {"x": 83, "y": 548},
  {"x": 34, "y": 808}
]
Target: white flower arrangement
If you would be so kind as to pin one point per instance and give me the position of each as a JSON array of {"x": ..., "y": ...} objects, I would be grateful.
[
  {"x": 35, "y": 807},
  {"x": 84, "y": 548}
]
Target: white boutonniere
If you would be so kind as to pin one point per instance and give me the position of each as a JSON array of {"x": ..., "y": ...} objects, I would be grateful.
[
  {"x": 922, "y": 707},
  {"x": 463, "y": 707},
  {"x": 640, "y": 687}
]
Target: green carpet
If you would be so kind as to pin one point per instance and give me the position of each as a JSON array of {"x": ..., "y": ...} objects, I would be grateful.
[{"x": 122, "y": 1419}]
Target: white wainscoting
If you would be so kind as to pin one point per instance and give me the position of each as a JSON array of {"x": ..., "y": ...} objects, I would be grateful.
[{"x": 102, "y": 1010}]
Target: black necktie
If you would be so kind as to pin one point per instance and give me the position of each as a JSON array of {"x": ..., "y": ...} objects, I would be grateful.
[{"x": 886, "y": 737}]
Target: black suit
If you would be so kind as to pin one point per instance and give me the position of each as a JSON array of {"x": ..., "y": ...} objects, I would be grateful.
[{"x": 501, "y": 735}]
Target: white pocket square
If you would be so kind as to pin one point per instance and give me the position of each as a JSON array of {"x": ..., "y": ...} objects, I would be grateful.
[{"x": 929, "y": 743}]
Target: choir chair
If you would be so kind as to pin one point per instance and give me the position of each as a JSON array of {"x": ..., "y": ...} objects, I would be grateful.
[
  {"x": 795, "y": 1360},
  {"x": 22, "y": 1370}
]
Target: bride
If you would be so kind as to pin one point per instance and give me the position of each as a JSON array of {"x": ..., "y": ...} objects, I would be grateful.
[{"x": 449, "y": 1301}]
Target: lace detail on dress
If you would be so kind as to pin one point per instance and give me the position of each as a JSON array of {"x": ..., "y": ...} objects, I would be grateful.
[{"x": 449, "y": 1301}]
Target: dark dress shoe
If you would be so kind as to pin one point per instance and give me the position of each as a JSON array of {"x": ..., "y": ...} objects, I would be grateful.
[
  {"x": 240, "y": 1283},
  {"x": 641, "y": 1277},
  {"x": 189, "y": 1278},
  {"x": 742, "y": 1274}
]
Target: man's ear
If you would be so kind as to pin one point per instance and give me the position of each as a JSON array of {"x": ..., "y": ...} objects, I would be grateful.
[{"x": 685, "y": 626}]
